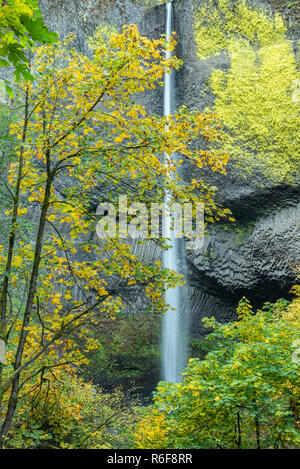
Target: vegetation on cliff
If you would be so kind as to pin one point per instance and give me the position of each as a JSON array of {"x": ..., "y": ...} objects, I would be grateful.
[
  {"x": 75, "y": 351},
  {"x": 21, "y": 28}
]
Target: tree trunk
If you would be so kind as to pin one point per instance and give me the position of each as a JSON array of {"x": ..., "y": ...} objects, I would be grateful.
[
  {"x": 13, "y": 399},
  {"x": 12, "y": 234}
]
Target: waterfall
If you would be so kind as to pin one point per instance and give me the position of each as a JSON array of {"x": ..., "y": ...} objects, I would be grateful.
[{"x": 174, "y": 349}]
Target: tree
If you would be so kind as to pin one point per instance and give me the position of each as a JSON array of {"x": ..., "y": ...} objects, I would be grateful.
[
  {"x": 65, "y": 412},
  {"x": 244, "y": 394},
  {"x": 21, "y": 27},
  {"x": 83, "y": 133}
]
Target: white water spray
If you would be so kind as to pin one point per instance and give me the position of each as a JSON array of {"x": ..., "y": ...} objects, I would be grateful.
[{"x": 174, "y": 348}]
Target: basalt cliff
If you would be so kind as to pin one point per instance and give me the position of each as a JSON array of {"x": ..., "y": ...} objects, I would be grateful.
[{"x": 255, "y": 256}]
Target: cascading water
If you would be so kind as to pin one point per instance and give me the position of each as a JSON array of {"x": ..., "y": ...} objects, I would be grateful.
[{"x": 174, "y": 349}]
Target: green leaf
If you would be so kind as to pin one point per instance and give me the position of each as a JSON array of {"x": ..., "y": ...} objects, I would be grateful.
[{"x": 4, "y": 63}]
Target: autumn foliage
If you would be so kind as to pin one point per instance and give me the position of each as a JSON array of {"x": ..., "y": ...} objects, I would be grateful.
[{"x": 83, "y": 129}]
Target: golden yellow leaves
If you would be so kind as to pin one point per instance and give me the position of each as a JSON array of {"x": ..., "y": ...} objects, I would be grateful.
[
  {"x": 120, "y": 138},
  {"x": 215, "y": 23}
]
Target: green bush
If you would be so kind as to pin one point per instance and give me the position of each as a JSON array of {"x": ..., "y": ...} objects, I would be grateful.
[{"x": 244, "y": 394}]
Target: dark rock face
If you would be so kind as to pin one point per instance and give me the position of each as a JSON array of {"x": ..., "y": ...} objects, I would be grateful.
[{"x": 254, "y": 258}]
